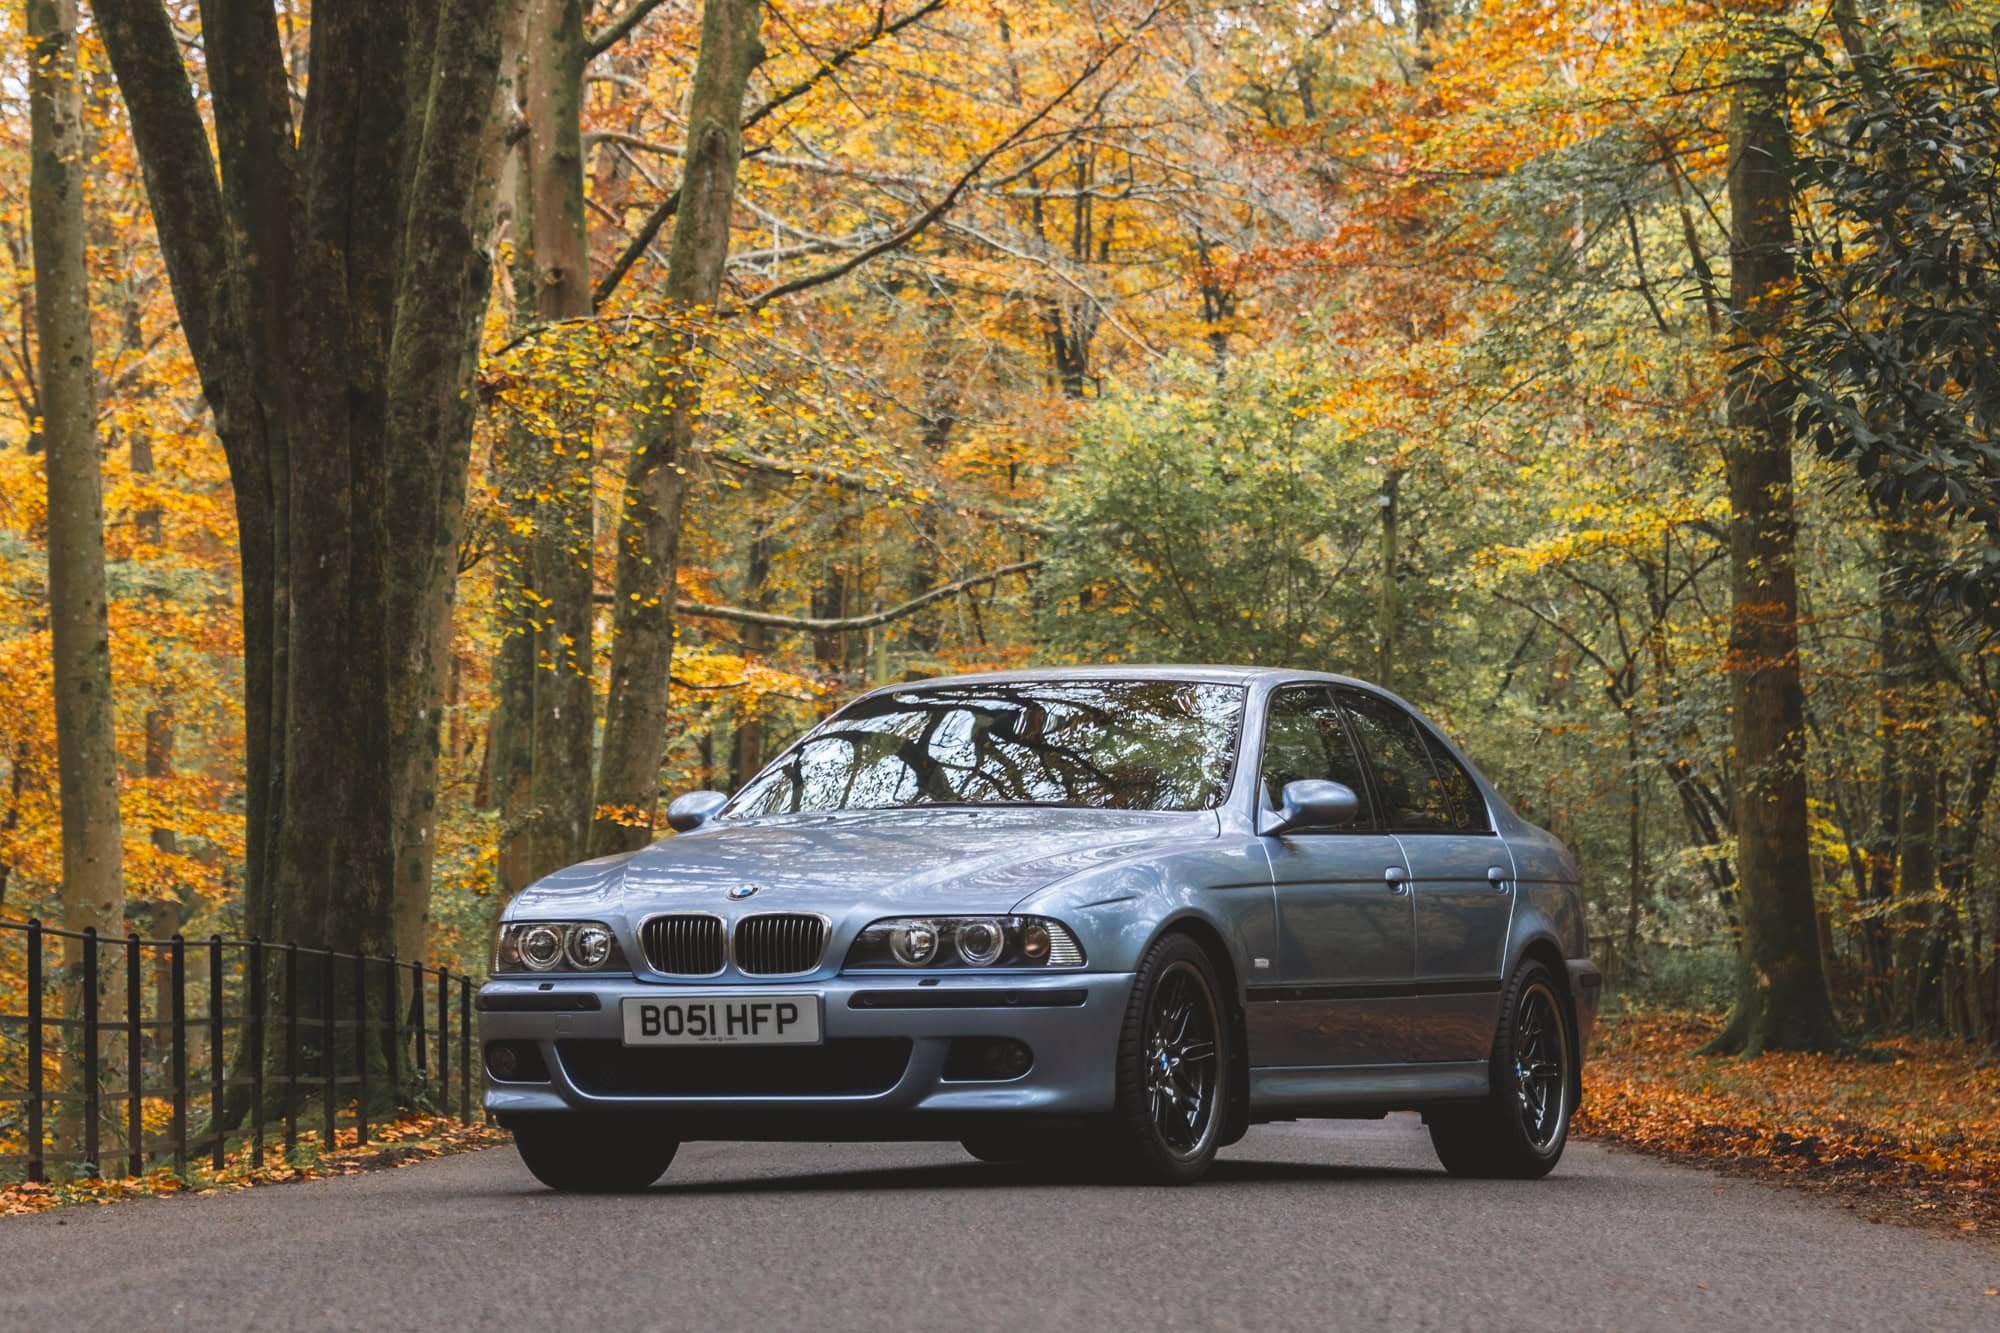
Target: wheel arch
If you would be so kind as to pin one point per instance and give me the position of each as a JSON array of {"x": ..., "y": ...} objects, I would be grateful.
[
  {"x": 1209, "y": 937},
  {"x": 1545, "y": 950}
]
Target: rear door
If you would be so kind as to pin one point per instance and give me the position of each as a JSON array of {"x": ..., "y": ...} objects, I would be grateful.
[
  {"x": 1461, "y": 878},
  {"x": 1346, "y": 935}
]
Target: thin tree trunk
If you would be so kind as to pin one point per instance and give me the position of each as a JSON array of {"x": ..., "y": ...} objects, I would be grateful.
[
  {"x": 649, "y": 524},
  {"x": 86, "y": 737},
  {"x": 1781, "y": 998},
  {"x": 565, "y": 531}
]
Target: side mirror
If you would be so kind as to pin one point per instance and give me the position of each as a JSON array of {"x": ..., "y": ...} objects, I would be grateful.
[
  {"x": 691, "y": 810},
  {"x": 1312, "y": 803}
]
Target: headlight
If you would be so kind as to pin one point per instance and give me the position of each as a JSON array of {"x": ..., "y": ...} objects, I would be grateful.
[
  {"x": 915, "y": 943},
  {"x": 965, "y": 941},
  {"x": 558, "y": 946}
]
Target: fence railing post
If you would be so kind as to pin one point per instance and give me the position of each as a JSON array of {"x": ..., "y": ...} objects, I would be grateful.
[
  {"x": 217, "y": 1155},
  {"x": 360, "y": 1050},
  {"x": 417, "y": 1016},
  {"x": 444, "y": 1040},
  {"x": 464, "y": 1049},
  {"x": 35, "y": 1050},
  {"x": 328, "y": 1069},
  {"x": 390, "y": 1011},
  {"x": 135, "y": 1111},
  {"x": 91, "y": 1156},
  {"x": 256, "y": 983},
  {"x": 177, "y": 952},
  {"x": 291, "y": 1049}
]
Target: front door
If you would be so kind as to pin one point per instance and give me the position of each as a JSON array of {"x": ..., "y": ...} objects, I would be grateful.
[
  {"x": 1461, "y": 878},
  {"x": 1346, "y": 931}
]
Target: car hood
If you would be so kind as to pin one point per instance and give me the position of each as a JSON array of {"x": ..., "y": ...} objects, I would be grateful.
[{"x": 959, "y": 859}]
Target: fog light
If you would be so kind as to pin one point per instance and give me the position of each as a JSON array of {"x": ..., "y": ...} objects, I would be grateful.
[
  {"x": 914, "y": 943},
  {"x": 516, "y": 1062},
  {"x": 541, "y": 947},
  {"x": 987, "y": 1060}
]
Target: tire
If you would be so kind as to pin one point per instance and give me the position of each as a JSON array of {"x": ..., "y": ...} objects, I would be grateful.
[
  {"x": 1519, "y": 1129},
  {"x": 1172, "y": 1068},
  {"x": 580, "y": 1154}
]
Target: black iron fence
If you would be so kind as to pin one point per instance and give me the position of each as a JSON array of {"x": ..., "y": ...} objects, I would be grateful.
[{"x": 122, "y": 1055}]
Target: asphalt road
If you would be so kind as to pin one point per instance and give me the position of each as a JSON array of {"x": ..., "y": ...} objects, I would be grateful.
[{"x": 1346, "y": 1226}]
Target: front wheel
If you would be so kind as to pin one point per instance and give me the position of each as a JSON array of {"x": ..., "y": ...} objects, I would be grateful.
[
  {"x": 1516, "y": 1132},
  {"x": 580, "y": 1154},
  {"x": 1172, "y": 1071}
]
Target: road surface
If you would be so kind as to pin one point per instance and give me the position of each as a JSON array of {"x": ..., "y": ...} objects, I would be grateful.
[{"x": 1312, "y": 1226}]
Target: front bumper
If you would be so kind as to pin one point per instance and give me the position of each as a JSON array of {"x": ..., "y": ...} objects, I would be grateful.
[{"x": 1070, "y": 1021}]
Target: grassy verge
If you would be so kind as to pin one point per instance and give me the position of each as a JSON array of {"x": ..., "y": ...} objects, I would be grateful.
[
  {"x": 410, "y": 1138},
  {"x": 1911, "y": 1135}
]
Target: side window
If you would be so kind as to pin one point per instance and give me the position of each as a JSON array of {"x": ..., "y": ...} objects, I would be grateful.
[
  {"x": 1468, "y": 806},
  {"x": 1413, "y": 799},
  {"x": 1304, "y": 737}
]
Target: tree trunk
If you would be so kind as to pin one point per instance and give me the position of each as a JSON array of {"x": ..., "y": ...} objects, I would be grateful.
[
  {"x": 86, "y": 735},
  {"x": 1781, "y": 998},
  {"x": 1386, "y": 611},
  {"x": 1892, "y": 651},
  {"x": 746, "y": 745},
  {"x": 328, "y": 278},
  {"x": 649, "y": 523},
  {"x": 565, "y": 530}
]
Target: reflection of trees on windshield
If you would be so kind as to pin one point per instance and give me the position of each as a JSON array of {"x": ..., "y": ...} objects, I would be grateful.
[{"x": 1125, "y": 745}]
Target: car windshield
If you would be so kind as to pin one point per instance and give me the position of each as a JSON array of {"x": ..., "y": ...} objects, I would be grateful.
[{"x": 1108, "y": 745}]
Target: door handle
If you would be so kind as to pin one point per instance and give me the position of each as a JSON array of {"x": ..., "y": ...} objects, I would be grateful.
[
  {"x": 1396, "y": 878},
  {"x": 1499, "y": 878}
]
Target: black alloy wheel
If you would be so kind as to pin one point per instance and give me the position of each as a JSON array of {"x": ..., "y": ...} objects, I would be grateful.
[
  {"x": 1518, "y": 1130},
  {"x": 1173, "y": 1062},
  {"x": 1541, "y": 1078}
]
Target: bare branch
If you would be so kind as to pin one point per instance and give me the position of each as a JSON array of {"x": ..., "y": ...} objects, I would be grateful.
[
  {"x": 854, "y": 481},
  {"x": 847, "y": 624},
  {"x": 917, "y": 225},
  {"x": 618, "y": 29},
  {"x": 649, "y": 230}
]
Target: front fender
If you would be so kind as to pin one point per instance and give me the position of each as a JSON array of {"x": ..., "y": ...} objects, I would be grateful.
[{"x": 1118, "y": 910}]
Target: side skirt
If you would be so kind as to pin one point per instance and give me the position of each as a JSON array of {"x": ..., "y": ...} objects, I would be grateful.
[{"x": 1306, "y": 1090}]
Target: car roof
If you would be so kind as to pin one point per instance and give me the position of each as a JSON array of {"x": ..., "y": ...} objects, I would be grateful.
[{"x": 1211, "y": 674}]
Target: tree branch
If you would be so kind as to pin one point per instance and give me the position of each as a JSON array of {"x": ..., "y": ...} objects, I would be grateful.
[
  {"x": 832, "y": 64},
  {"x": 909, "y": 231},
  {"x": 649, "y": 230},
  {"x": 617, "y": 30},
  {"x": 181, "y": 178},
  {"x": 855, "y": 481},
  {"x": 847, "y": 624}
]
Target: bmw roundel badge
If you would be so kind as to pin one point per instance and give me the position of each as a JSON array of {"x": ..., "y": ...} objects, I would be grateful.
[{"x": 742, "y": 891}]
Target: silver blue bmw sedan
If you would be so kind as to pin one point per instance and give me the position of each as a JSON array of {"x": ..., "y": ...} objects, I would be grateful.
[{"x": 1113, "y": 916}]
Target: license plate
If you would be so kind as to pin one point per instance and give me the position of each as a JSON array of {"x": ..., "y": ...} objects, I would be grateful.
[{"x": 723, "y": 1020}]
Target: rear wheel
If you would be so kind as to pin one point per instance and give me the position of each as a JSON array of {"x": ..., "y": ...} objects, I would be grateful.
[
  {"x": 1173, "y": 1057},
  {"x": 1518, "y": 1130},
  {"x": 581, "y": 1154}
]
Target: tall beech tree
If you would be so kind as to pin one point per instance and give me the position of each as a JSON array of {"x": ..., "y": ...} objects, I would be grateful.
[
  {"x": 1781, "y": 1001},
  {"x": 328, "y": 275},
  {"x": 93, "y": 889},
  {"x": 649, "y": 520}
]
